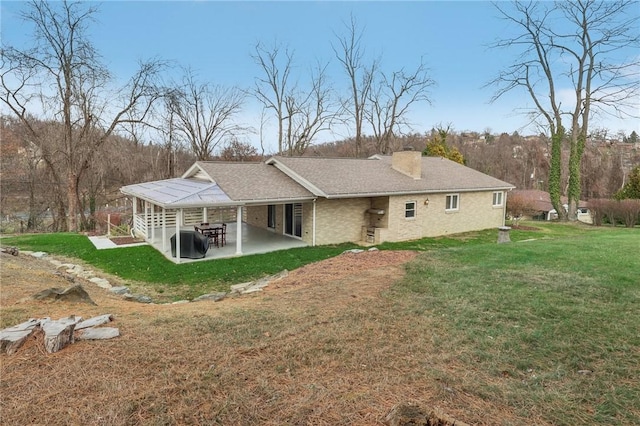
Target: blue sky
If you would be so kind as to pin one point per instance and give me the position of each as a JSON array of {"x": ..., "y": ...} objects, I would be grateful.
[{"x": 216, "y": 39}]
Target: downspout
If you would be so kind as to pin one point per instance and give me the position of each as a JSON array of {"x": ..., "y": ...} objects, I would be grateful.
[
  {"x": 504, "y": 208},
  {"x": 313, "y": 232}
]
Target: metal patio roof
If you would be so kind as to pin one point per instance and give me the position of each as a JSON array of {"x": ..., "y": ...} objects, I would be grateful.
[{"x": 178, "y": 192}]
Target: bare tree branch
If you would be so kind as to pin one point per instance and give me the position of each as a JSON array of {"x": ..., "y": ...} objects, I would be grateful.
[{"x": 205, "y": 114}]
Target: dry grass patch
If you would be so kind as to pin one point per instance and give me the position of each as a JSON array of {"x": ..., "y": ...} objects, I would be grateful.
[{"x": 321, "y": 347}]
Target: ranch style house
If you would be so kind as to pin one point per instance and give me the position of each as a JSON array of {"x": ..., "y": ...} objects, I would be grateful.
[{"x": 296, "y": 201}]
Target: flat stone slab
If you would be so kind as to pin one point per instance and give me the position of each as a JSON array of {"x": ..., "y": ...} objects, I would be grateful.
[
  {"x": 100, "y": 282},
  {"x": 137, "y": 298},
  {"x": 211, "y": 296},
  {"x": 254, "y": 286},
  {"x": 92, "y": 322},
  {"x": 119, "y": 290},
  {"x": 100, "y": 333},
  {"x": 11, "y": 338}
]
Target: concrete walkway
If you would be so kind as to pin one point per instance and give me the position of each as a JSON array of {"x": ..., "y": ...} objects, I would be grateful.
[{"x": 103, "y": 242}]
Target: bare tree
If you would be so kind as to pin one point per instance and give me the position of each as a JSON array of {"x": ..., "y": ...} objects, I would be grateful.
[
  {"x": 576, "y": 44},
  {"x": 272, "y": 89},
  {"x": 236, "y": 150},
  {"x": 309, "y": 113},
  {"x": 63, "y": 72},
  {"x": 350, "y": 54},
  {"x": 390, "y": 101},
  {"x": 205, "y": 114},
  {"x": 301, "y": 111}
]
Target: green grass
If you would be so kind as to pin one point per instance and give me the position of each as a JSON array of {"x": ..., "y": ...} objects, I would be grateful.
[
  {"x": 143, "y": 264},
  {"x": 549, "y": 326}
]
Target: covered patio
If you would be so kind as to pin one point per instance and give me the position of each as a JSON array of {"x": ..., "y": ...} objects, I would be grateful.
[
  {"x": 254, "y": 241},
  {"x": 162, "y": 209}
]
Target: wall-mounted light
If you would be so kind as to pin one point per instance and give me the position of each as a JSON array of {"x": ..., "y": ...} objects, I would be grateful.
[{"x": 426, "y": 202}]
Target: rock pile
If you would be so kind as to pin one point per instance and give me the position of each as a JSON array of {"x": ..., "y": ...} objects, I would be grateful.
[{"x": 56, "y": 334}]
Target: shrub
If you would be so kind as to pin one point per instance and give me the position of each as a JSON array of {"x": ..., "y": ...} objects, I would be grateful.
[
  {"x": 597, "y": 209},
  {"x": 614, "y": 211},
  {"x": 629, "y": 212},
  {"x": 517, "y": 207}
]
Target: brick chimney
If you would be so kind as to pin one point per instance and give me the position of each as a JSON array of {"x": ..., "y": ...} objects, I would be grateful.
[{"x": 408, "y": 162}]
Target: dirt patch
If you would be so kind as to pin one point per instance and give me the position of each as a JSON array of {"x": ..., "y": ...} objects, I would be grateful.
[{"x": 122, "y": 241}]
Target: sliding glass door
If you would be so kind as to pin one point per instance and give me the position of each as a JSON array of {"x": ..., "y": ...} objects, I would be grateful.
[{"x": 293, "y": 219}]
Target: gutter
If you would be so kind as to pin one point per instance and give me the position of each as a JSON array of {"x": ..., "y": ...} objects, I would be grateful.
[{"x": 413, "y": 192}]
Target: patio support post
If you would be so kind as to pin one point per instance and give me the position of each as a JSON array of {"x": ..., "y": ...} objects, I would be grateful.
[
  {"x": 313, "y": 232},
  {"x": 146, "y": 220},
  {"x": 153, "y": 222},
  {"x": 239, "y": 231},
  {"x": 164, "y": 229},
  {"x": 178, "y": 220},
  {"x": 135, "y": 213}
]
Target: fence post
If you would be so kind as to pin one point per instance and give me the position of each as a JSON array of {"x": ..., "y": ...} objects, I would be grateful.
[{"x": 108, "y": 224}]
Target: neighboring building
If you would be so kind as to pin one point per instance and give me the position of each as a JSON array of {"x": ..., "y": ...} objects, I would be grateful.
[
  {"x": 539, "y": 205},
  {"x": 326, "y": 200}
]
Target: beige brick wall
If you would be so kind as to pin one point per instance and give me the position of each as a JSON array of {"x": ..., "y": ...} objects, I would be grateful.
[
  {"x": 475, "y": 213},
  {"x": 339, "y": 221},
  {"x": 257, "y": 216},
  {"x": 342, "y": 220}
]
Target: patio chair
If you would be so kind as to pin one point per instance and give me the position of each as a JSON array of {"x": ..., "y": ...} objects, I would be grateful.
[{"x": 223, "y": 234}]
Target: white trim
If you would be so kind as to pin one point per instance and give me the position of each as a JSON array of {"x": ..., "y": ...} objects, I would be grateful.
[
  {"x": 194, "y": 170},
  {"x": 296, "y": 177}
]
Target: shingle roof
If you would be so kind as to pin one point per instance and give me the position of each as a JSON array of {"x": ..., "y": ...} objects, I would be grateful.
[
  {"x": 344, "y": 177},
  {"x": 291, "y": 179},
  {"x": 249, "y": 182}
]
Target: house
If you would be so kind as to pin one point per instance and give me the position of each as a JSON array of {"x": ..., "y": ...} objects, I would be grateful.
[
  {"x": 317, "y": 201},
  {"x": 538, "y": 202}
]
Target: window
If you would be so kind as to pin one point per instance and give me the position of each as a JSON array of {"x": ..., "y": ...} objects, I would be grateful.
[
  {"x": 452, "y": 202},
  {"x": 497, "y": 199},
  {"x": 410, "y": 209}
]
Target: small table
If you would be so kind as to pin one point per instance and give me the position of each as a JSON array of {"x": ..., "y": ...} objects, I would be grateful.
[{"x": 214, "y": 231}]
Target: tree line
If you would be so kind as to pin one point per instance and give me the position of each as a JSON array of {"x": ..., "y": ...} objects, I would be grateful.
[{"x": 86, "y": 119}]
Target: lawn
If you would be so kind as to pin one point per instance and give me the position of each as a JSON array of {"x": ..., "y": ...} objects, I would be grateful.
[
  {"x": 147, "y": 270},
  {"x": 543, "y": 331},
  {"x": 548, "y": 327}
]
